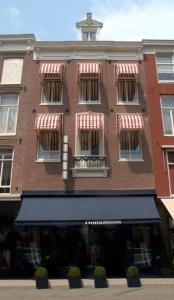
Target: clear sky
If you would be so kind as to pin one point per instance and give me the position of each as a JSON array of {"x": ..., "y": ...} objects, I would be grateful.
[{"x": 55, "y": 19}]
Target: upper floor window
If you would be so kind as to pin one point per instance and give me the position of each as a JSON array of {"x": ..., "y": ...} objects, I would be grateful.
[
  {"x": 90, "y": 141},
  {"x": 126, "y": 80},
  {"x": 12, "y": 71},
  {"x": 48, "y": 146},
  {"x": 89, "y": 83},
  {"x": 165, "y": 66},
  {"x": 48, "y": 127},
  {"x": 8, "y": 114},
  {"x": 6, "y": 156},
  {"x": 167, "y": 106},
  {"x": 129, "y": 127},
  {"x": 130, "y": 145},
  {"x": 89, "y": 36},
  {"x": 52, "y": 85}
]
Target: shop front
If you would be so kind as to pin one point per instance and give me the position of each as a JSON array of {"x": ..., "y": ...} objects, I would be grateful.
[{"x": 109, "y": 229}]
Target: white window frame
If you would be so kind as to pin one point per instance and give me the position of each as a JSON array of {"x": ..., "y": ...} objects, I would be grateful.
[
  {"x": 171, "y": 116},
  {"x": 163, "y": 64},
  {"x": 136, "y": 99},
  {"x": 9, "y": 186},
  {"x": 49, "y": 159},
  {"x": 4, "y": 77},
  {"x": 49, "y": 103},
  {"x": 8, "y": 107},
  {"x": 89, "y": 35},
  {"x": 101, "y": 140},
  {"x": 130, "y": 158},
  {"x": 91, "y": 102}
]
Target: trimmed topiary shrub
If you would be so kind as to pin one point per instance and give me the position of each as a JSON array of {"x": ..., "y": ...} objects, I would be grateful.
[
  {"x": 41, "y": 272},
  {"x": 99, "y": 271},
  {"x": 132, "y": 271},
  {"x": 74, "y": 272}
]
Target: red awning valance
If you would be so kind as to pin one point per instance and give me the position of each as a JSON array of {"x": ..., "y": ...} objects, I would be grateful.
[
  {"x": 90, "y": 121},
  {"x": 129, "y": 122},
  {"x": 126, "y": 69},
  {"x": 48, "y": 122},
  {"x": 48, "y": 68},
  {"x": 89, "y": 68}
]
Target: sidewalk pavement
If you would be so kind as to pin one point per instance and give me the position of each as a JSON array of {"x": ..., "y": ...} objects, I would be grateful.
[
  {"x": 147, "y": 292},
  {"x": 87, "y": 282}
]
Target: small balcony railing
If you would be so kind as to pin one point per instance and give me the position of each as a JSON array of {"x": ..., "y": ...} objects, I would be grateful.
[{"x": 89, "y": 162}]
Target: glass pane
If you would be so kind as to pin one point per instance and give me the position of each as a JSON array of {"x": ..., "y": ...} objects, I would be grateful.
[
  {"x": 49, "y": 145},
  {"x": 84, "y": 143},
  {"x": 9, "y": 99},
  {"x": 85, "y": 36},
  {"x": 165, "y": 68},
  {"x": 6, "y": 153},
  {"x": 6, "y": 173},
  {"x": 92, "y": 36},
  {"x": 164, "y": 58},
  {"x": 142, "y": 246},
  {"x": 124, "y": 145},
  {"x": 135, "y": 147},
  {"x": 126, "y": 90},
  {"x": 52, "y": 91},
  {"x": 171, "y": 157},
  {"x": 11, "y": 127},
  {"x": 167, "y": 121},
  {"x": 94, "y": 143},
  {"x": 3, "y": 119},
  {"x": 166, "y": 76},
  {"x": 167, "y": 101}
]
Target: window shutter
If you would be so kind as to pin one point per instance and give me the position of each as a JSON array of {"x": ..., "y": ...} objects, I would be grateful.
[{"x": 12, "y": 71}]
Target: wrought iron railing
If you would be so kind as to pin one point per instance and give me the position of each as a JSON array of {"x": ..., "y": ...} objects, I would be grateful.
[{"x": 91, "y": 161}]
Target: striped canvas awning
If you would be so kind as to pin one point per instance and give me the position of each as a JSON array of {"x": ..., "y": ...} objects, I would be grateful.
[
  {"x": 126, "y": 69},
  {"x": 48, "y": 122},
  {"x": 90, "y": 121},
  {"x": 89, "y": 68},
  {"x": 48, "y": 68},
  {"x": 129, "y": 122}
]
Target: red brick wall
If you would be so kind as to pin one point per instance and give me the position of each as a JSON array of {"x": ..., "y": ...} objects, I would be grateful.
[{"x": 29, "y": 174}]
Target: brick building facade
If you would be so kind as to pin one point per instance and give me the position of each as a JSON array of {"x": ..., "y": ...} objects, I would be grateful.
[{"x": 97, "y": 199}]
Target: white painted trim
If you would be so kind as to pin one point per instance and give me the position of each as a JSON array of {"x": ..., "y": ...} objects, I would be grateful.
[
  {"x": 86, "y": 54},
  {"x": 167, "y": 146},
  {"x": 47, "y": 160},
  {"x": 8, "y": 106},
  {"x": 51, "y": 104}
]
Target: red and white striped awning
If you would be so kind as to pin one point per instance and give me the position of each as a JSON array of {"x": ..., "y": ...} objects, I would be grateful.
[
  {"x": 129, "y": 122},
  {"x": 47, "y": 68},
  {"x": 89, "y": 68},
  {"x": 128, "y": 69},
  {"x": 90, "y": 121},
  {"x": 48, "y": 122}
]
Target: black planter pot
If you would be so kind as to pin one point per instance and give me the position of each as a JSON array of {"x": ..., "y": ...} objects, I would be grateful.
[
  {"x": 100, "y": 282},
  {"x": 75, "y": 282},
  {"x": 133, "y": 282},
  {"x": 42, "y": 283}
]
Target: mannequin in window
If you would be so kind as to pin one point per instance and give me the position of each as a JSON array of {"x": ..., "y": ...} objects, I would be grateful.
[{"x": 94, "y": 254}]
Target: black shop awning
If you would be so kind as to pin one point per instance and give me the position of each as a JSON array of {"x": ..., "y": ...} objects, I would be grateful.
[{"x": 49, "y": 210}]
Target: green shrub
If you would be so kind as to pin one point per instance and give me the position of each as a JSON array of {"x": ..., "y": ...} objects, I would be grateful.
[
  {"x": 99, "y": 271},
  {"x": 132, "y": 271},
  {"x": 74, "y": 272},
  {"x": 41, "y": 272}
]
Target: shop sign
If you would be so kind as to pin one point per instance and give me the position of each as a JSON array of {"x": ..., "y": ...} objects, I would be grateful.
[{"x": 105, "y": 222}]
